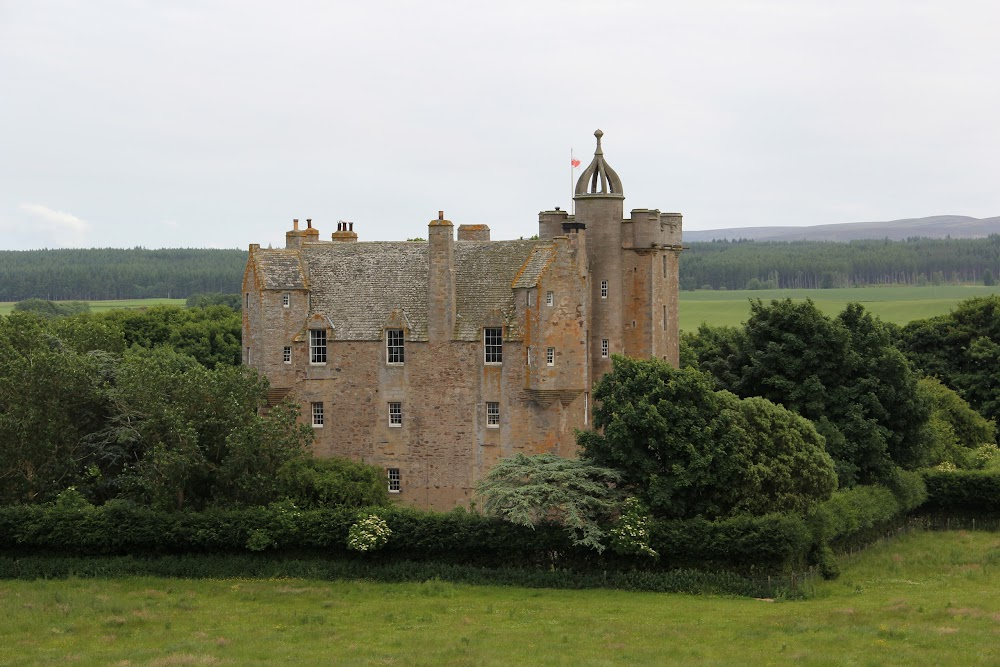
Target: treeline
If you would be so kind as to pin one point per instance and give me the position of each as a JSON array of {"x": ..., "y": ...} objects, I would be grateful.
[
  {"x": 117, "y": 273},
  {"x": 745, "y": 264}
]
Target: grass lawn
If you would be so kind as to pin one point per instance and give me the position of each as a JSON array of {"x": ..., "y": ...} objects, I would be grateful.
[
  {"x": 923, "y": 599},
  {"x": 892, "y": 304},
  {"x": 101, "y": 306}
]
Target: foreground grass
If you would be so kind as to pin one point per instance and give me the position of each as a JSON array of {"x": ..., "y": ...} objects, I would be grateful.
[
  {"x": 926, "y": 598},
  {"x": 100, "y": 306},
  {"x": 893, "y": 304}
]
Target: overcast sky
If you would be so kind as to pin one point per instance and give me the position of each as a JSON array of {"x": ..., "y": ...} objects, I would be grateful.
[{"x": 213, "y": 124}]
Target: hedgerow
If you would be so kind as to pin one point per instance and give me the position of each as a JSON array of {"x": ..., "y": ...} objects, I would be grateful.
[
  {"x": 962, "y": 491},
  {"x": 744, "y": 546},
  {"x": 260, "y": 566}
]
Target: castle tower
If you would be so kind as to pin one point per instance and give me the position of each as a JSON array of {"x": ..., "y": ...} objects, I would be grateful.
[
  {"x": 600, "y": 208},
  {"x": 633, "y": 270}
]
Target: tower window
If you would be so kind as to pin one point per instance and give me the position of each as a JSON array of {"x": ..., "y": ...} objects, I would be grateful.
[
  {"x": 394, "y": 346},
  {"x": 317, "y": 415},
  {"x": 395, "y": 414},
  {"x": 317, "y": 346},
  {"x": 286, "y": 300},
  {"x": 604, "y": 289},
  {"x": 664, "y": 266},
  {"x": 550, "y": 298},
  {"x": 286, "y": 354},
  {"x": 493, "y": 344},
  {"x": 550, "y": 356},
  {"x": 604, "y": 348},
  {"x": 492, "y": 414}
]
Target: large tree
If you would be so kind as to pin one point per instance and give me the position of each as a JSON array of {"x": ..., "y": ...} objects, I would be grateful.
[
  {"x": 844, "y": 373},
  {"x": 962, "y": 349},
  {"x": 687, "y": 450}
]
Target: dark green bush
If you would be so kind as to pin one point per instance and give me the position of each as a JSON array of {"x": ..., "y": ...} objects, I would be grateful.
[
  {"x": 963, "y": 491},
  {"x": 432, "y": 574}
]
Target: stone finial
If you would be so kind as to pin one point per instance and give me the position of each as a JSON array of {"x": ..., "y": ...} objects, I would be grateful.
[{"x": 599, "y": 178}]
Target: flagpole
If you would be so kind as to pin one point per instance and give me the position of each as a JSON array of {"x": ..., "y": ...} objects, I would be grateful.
[{"x": 572, "y": 204}]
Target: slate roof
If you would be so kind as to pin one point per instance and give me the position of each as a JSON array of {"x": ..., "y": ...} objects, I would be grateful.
[
  {"x": 279, "y": 269},
  {"x": 359, "y": 285}
]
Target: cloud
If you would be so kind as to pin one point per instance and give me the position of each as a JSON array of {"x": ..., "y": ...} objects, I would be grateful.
[{"x": 61, "y": 219}]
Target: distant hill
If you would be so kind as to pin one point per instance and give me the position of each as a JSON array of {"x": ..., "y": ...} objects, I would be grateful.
[{"x": 934, "y": 227}]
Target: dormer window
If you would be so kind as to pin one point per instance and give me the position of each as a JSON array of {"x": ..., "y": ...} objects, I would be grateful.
[
  {"x": 317, "y": 346},
  {"x": 493, "y": 344},
  {"x": 394, "y": 352}
]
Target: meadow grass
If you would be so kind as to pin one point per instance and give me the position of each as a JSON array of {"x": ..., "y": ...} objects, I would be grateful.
[
  {"x": 896, "y": 304},
  {"x": 923, "y": 599},
  {"x": 100, "y": 306}
]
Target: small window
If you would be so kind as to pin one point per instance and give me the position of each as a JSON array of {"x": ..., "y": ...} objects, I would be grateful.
[
  {"x": 604, "y": 348},
  {"x": 550, "y": 298},
  {"x": 664, "y": 318},
  {"x": 395, "y": 480},
  {"x": 664, "y": 266},
  {"x": 550, "y": 356},
  {"x": 394, "y": 346},
  {"x": 317, "y": 415},
  {"x": 527, "y": 356},
  {"x": 395, "y": 414},
  {"x": 604, "y": 289},
  {"x": 247, "y": 299},
  {"x": 492, "y": 415},
  {"x": 493, "y": 343},
  {"x": 286, "y": 300},
  {"x": 286, "y": 354},
  {"x": 248, "y": 356},
  {"x": 317, "y": 346}
]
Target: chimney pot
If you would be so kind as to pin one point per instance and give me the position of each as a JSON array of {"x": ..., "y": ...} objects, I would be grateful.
[
  {"x": 440, "y": 215},
  {"x": 295, "y": 224},
  {"x": 309, "y": 223},
  {"x": 351, "y": 226}
]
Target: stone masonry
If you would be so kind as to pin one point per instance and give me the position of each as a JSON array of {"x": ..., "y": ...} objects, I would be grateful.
[{"x": 435, "y": 359}]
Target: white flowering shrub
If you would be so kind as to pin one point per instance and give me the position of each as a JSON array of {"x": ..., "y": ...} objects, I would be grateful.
[
  {"x": 631, "y": 536},
  {"x": 986, "y": 456},
  {"x": 368, "y": 534}
]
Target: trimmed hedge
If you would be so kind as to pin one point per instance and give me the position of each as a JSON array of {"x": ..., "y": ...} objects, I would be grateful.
[
  {"x": 774, "y": 543},
  {"x": 963, "y": 491},
  {"x": 259, "y": 566}
]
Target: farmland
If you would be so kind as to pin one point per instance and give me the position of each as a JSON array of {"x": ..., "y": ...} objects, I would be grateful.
[
  {"x": 100, "y": 306},
  {"x": 897, "y": 304},
  {"x": 924, "y": 598}
]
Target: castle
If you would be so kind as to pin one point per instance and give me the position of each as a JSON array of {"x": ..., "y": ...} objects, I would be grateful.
[{"x": 435, "y": 359}]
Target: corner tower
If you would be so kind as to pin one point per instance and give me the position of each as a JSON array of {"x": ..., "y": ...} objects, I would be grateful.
[
  {"x": 600, "y": 206},
  {"x": 633, "y": 270}
]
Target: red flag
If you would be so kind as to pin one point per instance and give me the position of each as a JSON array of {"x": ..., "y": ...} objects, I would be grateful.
[{"x": 573, "y": 161}]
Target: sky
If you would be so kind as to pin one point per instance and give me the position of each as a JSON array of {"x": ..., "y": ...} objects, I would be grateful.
[{"x": 214, "y": 124}]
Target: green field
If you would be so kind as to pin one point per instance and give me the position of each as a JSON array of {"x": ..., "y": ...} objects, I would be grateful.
[
  {"x": 101, "y": 306},
  {"x": 922, "y": 599},
  {"x": 893, "y": 304}
]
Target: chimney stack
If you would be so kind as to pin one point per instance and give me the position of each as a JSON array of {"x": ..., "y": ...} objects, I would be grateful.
[{"x": 440, "y": 280}]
